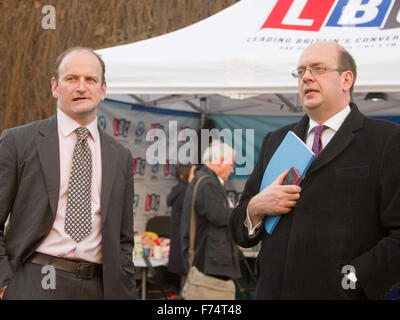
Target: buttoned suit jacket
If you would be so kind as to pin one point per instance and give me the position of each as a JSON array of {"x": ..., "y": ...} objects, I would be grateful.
[
  {"x": 29, "y": 193},
  {"x": 348, "y": 214}
]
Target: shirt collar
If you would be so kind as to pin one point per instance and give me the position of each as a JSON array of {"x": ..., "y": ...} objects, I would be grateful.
[
  {"x": 69, "y": 125},
  {"x": 333, "y": 122}
]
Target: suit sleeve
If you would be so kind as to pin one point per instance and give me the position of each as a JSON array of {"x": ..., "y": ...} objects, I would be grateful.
[
  {"x": 378, "y": 270},
  {"x": 8, "y": 187},
  {"x": 126, "y": 235},
  {"x": 251, "y": 188}
]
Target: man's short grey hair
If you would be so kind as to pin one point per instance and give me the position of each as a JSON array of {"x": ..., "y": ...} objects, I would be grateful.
[{"x": 217, "y": 150}]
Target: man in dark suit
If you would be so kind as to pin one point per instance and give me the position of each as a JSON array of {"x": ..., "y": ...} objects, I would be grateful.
[
  {"x": 67, "y": 189},
  {"x": 339, "y": 234}
]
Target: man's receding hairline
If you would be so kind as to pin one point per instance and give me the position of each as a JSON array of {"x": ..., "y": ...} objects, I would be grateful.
[
  {"x": 60, "y": 59},
  {"x": 76, "y": 50},
  {"x": 339, "y": 48}
]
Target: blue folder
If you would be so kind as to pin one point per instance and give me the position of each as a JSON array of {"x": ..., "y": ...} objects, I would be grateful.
[{"x": 292, "y": 152}]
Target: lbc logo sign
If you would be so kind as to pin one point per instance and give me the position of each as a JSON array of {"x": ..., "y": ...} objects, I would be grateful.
[{"x": 310, "y": 15}]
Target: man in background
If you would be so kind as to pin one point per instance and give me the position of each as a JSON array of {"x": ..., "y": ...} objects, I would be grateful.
[
  {"x": 215, "y": 252},
  {"x": 67, "y": 189},
  {"x": 339, "y": 233}
]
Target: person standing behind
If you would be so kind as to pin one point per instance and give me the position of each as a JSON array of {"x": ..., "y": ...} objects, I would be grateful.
[
  {"x": 68, "y": 196},
  {"x": 184, "y": 173},
  {"x": 215, "y": 252},
  {"x": 339, "y": 233}
]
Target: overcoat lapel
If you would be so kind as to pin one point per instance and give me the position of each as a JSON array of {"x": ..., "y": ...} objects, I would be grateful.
[
  {"x": 49, "y": 155},
  {"x": 301, "y": 128},
  {"x": 340, "y": 141}
]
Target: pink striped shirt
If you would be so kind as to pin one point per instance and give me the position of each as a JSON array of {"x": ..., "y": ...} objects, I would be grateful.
[{"x": 58, "y": 243}]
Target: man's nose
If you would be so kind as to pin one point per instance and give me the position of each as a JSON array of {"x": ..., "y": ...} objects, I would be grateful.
[
  {"x": 307, "y": 75},
  {"x": 81, "y": 85}
]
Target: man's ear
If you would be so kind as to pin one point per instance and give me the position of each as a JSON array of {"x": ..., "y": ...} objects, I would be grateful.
[
  {"x": 103, "y": 90},
  {"x": 54, "y": 86},
  {"x": 348, "y": 79},
  {"x": 220, "y": 165}
]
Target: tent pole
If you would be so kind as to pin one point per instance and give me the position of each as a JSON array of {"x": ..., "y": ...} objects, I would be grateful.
[
  {"x": 290, "y": 105},
  {"x": 141, "y": 101},
  {"x": 204, "y": 107}
]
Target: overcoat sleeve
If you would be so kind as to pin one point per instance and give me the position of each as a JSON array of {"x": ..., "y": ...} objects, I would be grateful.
[{"x": 378, "y": 270}]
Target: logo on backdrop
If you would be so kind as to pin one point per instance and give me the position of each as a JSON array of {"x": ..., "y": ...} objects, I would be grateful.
[
  {"x": 310, "y": 15},
  {"x": 101, "y": 122},
  {"x": 169, "y": 169},
  {"x": 152, "y": 131},
  {"x": 121, "y": 127},
  {"x": 139, "y": 132},
  {"x": 139, "y": 165},
  {"x": 140, "y": 129},
  {"x": 154, "y": 171},
  {"x": 154, "y": 168},
  {"x": 152, "y": 202},
  {"x": 136, "y": 198}
]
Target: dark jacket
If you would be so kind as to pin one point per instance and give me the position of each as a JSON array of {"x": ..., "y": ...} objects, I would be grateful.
[
  {"x": 348, "y": 214},
  {"x": 175, "y": 200},
  {"x": 215, "y": 252}
]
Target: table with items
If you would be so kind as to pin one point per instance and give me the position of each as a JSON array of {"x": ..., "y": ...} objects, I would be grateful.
[{"x": 150, "y": 251}]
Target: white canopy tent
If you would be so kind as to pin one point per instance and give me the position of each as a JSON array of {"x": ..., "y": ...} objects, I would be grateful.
[{"x": 235, "y": 54}]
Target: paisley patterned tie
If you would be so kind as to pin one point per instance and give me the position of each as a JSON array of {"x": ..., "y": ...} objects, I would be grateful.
[{"x": 78, "y": 218}]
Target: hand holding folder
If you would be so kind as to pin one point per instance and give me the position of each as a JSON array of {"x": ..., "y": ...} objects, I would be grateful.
[{"x": 292, "y": 152}]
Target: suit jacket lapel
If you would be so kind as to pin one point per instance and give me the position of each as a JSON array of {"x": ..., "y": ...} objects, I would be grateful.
[
  {"x": 108, "y": 169},
  {"x": 49, "y": 156},
  {"x": 340, "y": 141}
]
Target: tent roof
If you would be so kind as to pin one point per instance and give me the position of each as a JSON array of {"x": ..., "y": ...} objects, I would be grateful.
[{"x": 230, "y": 53}]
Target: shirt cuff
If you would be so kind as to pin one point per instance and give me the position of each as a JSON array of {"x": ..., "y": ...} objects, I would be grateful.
[{"x": 247, "y": 224}]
